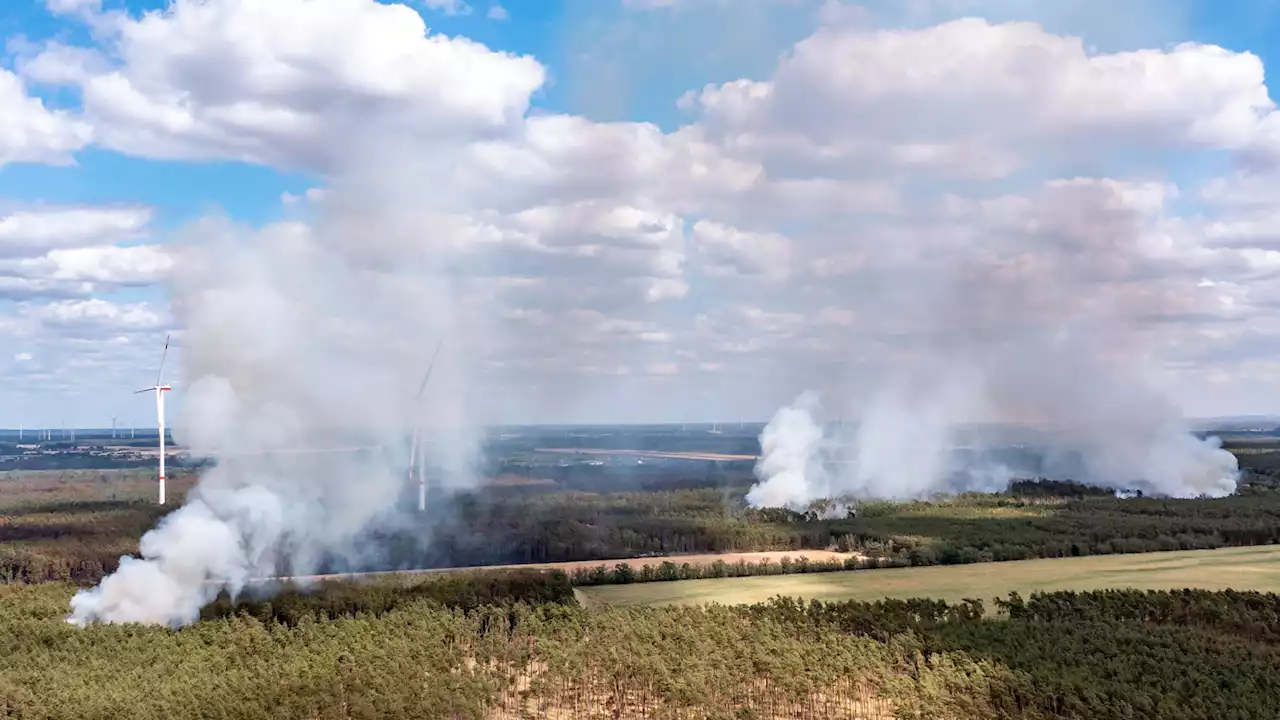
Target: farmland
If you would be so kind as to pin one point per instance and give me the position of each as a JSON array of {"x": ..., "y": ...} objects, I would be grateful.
[{"x": 1253, "y": 568}]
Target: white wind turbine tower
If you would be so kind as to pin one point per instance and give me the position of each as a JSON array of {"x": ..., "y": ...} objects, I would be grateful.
[
  {"x": 415, "y": 455},
  {"x": 160, "y": 390}
]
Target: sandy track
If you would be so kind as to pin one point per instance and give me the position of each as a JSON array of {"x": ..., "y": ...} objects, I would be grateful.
[{"x": 635, "y": 562}]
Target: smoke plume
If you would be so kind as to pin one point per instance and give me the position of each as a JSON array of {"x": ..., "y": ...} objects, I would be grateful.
[
  {"x": 1040, "y": 313},
  {"x": 302, "y": 358}
]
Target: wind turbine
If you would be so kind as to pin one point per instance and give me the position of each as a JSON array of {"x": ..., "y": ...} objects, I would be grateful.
[
  {"x": 415, "y": 459},
  {"x": 160, "y": 390}
]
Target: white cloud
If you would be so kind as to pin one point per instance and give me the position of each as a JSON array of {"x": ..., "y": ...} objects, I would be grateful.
[
  {"x": 497, "y": 12},
  {"x": 95, "y": 317},
  {"x": 278, "y": 82},
  {"x": 58, "y": 64},
  {"x": 854, "y": 100},
  {"x": 821, "y": 215},
  {"x": 448, "y": 7},
  {"x": 728, "y": 251},
  {"x": 112, "y": 265},
  {"x": 31, "y": 132},
  {"x": 33, "y": 231},
  {"x": 73, "y": 7},
  {"x": 15, "y": 287}
]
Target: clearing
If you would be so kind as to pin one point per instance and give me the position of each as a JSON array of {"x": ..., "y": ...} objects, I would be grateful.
[{"x": 1248, "y": 568}]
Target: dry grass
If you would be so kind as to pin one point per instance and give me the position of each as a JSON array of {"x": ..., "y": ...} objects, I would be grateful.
[{"x": 1250, "y": 568}]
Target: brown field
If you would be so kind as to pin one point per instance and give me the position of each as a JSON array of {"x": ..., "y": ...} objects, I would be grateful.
[{"x": 30, "y": 490}]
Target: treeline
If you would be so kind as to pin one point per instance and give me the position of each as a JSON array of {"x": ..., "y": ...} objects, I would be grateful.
[{"x": 640, "y": 571}]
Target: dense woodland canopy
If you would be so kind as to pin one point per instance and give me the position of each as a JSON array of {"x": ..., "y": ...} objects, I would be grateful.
[
  {"x": 497, "y": 644},
  {"x": 517, "y": 645}
]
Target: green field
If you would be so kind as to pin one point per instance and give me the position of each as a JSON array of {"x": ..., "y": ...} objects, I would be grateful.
[{"x": 1250, "y": 568}]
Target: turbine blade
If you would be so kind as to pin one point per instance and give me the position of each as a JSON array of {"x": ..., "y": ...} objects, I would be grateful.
[
  {"x": 138, "y": 392},
  {"x": 430, "y": 366},
  {"x": 163, "y": 355}
]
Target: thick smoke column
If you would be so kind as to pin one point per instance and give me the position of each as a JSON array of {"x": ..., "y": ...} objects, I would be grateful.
[
  {"x": 315, "y": 332},
  {"x": 290, "y": 344},
  {"x": 304, "y": 336},
  {"x": 791, "y": 465},
  {"x": 1040, "y": 312}
]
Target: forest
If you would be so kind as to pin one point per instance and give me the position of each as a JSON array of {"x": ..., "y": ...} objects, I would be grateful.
[
  {"x": 516, "y": 644},
  {"x": 520, "y": 643},
  {"x": 77, "y": 531}
]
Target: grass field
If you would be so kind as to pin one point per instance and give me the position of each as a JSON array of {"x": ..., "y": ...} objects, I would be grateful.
[{"x": 1249, "y": 568}]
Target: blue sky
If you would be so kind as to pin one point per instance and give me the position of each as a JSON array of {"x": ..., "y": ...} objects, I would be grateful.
[
  {"x": 565, "y": 35},
  {"x": 610, "y": 62},
  {"x": 647, "y": 61}
]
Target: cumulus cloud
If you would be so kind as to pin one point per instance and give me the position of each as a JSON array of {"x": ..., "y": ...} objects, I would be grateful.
[
  {"x": 108, "y": 266},
  {"x": 283, "y": 82},
  {"x": 854, "y": 100},
  {"x": 95, "y": 317},
  {"x": 729, "y": 251},
  {"x": 66, "y": 252},
  {"x": 449, "y": 7},
  {"x": 72, "y": 7},
  {"x": 29, "y": 232},
  {"x": 31, "y": 132},
  {"x": 801, "y": 229}
]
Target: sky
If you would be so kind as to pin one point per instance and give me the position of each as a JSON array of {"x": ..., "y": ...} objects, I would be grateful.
[{"x": 657, "y": 210}]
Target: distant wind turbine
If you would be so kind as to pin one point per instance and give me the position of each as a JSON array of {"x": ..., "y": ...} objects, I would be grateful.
[
  {"x": 160, "y": 390},
  {"x": 415, "y": 456}
]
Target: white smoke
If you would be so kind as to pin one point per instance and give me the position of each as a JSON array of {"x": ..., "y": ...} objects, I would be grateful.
[
  {"x": 293, "y": 343},
  {"x": 792, "y": 458},
  {"x": 887, "y": 456},
  {"x": 1039, "y": 312}
]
